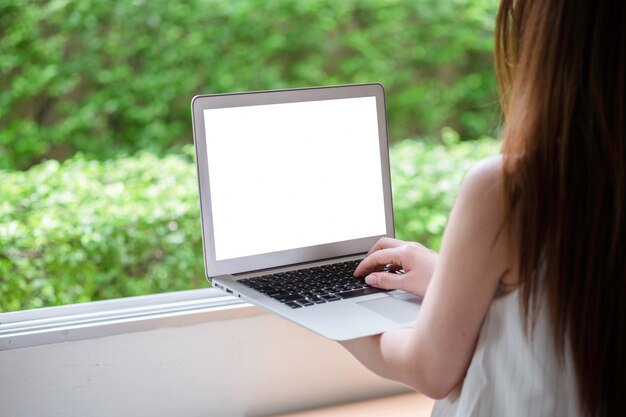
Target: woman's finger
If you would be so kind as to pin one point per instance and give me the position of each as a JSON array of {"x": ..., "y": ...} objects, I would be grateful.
[
  {"x": 379, "y": 258},
  {"x": 387, "y": 281}
]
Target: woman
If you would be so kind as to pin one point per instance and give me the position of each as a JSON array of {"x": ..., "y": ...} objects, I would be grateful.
[{"x": 524, "y": 309}]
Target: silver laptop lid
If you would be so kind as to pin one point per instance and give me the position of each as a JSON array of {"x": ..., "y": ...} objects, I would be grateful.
[{"x": 291, "y": 176}]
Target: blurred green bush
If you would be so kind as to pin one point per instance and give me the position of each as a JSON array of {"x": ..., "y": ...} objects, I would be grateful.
[
  {"x": 87, "y": 230},
  {"x": 114, "y": 77},
  {"x": 425, "y": 178}
]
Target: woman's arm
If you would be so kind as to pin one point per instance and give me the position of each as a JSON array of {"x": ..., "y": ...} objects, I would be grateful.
[{"x": 433, "y": 357}]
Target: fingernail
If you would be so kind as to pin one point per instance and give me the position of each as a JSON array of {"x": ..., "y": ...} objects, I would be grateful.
[{"x": 371, "y": 279}]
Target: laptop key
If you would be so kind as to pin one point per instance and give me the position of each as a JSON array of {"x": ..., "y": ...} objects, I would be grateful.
[
  {"x": 358, "y": 293},
  {"x": 283, "y": 298},
  {"x": 293, "y": 304},
  {"x": 266, "y": 289}
]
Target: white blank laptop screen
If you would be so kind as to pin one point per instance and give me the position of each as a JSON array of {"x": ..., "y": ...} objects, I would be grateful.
[{"x": 292, "y": 175}]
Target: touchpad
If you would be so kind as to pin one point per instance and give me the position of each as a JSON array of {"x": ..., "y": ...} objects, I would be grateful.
[{"x": 398, "y": 310}]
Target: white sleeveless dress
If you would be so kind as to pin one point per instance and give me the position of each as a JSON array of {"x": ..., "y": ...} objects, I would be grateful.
[{"x": 512, "y": 375}]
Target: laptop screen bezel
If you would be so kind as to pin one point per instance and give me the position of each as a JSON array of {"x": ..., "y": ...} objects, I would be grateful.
[{"x": 214, "y": 267}]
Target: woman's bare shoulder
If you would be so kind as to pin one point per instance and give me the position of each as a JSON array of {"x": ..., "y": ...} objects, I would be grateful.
[
  {"x": 483, "y": 202},
  {"x": 478, "y": 218},
  {"x": 480, "y": 196},
  {"x": 484, "y": 176}
]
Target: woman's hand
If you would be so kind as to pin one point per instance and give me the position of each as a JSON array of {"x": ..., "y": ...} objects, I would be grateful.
[
  {"x": 417, "y": 261},
  {"x": 433, "y": 356}
]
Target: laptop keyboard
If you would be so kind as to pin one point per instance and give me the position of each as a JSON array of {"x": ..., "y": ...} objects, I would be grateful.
[{"x": 311, "y": 286}]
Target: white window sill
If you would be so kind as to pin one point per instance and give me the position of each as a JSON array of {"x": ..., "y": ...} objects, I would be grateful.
[
  {"x": 193, "y": 353},
  {"x": 125, "y": 315}
]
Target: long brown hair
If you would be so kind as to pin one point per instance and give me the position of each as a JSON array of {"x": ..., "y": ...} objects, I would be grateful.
[{"x": 561, "y": 71}]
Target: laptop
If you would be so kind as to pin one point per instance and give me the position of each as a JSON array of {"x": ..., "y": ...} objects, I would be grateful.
[{"x": 294, "y": 190}]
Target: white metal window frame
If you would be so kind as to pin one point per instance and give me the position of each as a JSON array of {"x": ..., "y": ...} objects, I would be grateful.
[{"x": 73, "y": 322}]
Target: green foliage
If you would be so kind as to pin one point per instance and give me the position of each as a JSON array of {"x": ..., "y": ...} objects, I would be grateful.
[
  {"x": 425, "y": 177},
  {"x": 111, "y": 77},
  {"x": 88, "y": 230}
]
